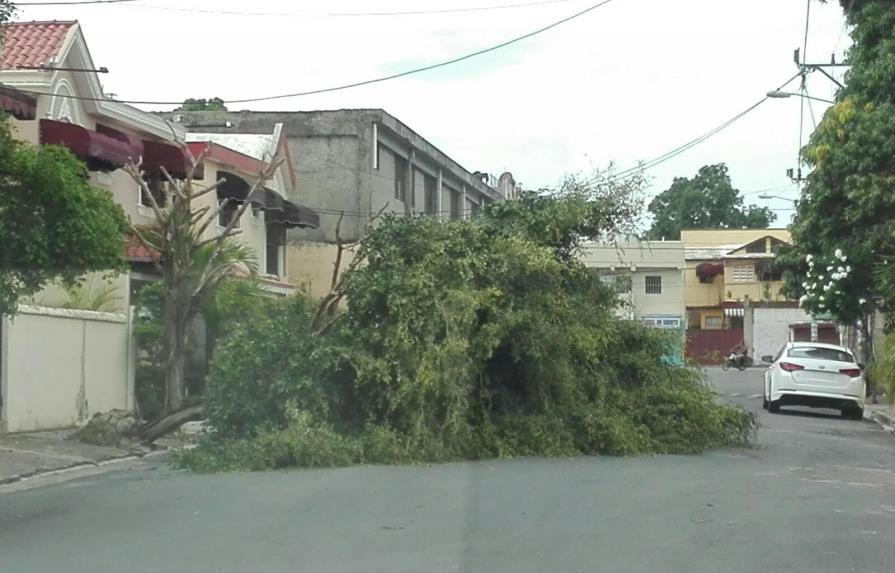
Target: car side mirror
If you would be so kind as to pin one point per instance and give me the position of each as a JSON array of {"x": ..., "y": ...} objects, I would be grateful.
[{"x": 767, "y": 358}]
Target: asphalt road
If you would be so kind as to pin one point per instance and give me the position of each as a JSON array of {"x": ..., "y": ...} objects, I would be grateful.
[{"x": 818, "y": 495}]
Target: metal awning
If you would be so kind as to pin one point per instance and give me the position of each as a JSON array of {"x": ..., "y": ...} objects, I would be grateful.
[
  {"x": 294, "y": 215},
  {"x": 18, "y": 104},
  {"x": 173, "y": 158},
  {"x": 733, "y": 312},
  {"x": 100, "y": 152}
]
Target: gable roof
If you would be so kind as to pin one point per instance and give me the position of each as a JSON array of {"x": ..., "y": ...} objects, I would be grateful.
[
  {"x": 31, "y": 44},
  {"x": 730, "y": 251}
]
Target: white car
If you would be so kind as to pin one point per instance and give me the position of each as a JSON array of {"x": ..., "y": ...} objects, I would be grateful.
[{"x": 817, "y": 375}]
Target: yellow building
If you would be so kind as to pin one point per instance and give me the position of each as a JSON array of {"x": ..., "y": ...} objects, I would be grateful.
[{"x": 727, "y": 267}]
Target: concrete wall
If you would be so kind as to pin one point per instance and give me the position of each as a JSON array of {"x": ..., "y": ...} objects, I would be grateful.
[
  {"x": 670, "y": 302},
  {"x": 59, "y": 367},
  {"x": 334, "y": 153},
  {"x": 697, "y": 294},
  {"x": 310, "y": 266},
  {"x": 642, "y": 259},
  {"x": 770, "y": 328}
]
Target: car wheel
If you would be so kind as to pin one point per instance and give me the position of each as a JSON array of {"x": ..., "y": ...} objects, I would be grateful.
[
  {"x": 853, "y": 413},
  {"x": 725, "y": 366},
  {"x": 774, "y": 407}
]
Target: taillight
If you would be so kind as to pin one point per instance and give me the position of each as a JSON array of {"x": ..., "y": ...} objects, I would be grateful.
[
  {"x": 851, "y": 372},
  {"x": 790, "y": 367}
]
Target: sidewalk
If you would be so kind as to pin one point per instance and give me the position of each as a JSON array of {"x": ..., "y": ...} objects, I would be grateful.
[
  {"x": 882, "y": 413},
  {"x": 30, "y": 454}
]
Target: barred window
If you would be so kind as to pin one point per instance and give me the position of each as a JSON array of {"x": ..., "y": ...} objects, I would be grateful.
[{"x": 653, "y": 284}]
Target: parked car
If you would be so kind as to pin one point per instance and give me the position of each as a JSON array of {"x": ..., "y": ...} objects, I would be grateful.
[{"x": 817, "y": 375}]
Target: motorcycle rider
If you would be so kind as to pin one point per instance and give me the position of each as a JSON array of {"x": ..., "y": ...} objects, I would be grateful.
[{"x": 739, "y": 354}]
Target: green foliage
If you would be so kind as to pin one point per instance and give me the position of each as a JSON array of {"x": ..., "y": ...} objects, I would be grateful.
[
  {"x": 882, "y": 371},
  {"x": 87, "y": 295},
  {"x": 849, "y": 199},
  {"x": 7, "y": 11},
  {"x": 462, "y": 339},
  {"x": 211, "y": 104},
  {"x": 707, "y": 201},
  {"x": 53, "y": 224}
]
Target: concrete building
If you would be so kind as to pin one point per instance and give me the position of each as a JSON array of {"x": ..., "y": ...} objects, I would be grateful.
[
  {"x": 725, "y": 268},
  {"x": 358, "y": 162},
  {"x": 648, "y": 277}
]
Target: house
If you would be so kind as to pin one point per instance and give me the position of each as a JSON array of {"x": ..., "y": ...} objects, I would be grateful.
[
  {"x": 726, "y": 267},
  {"x": 648, "y": 277},
  {"x": 237, "y": 160},
  {"x": 352, "y": 164},
  {"x": 58, "y": 366},
  {"x": 733, "y": 292}
]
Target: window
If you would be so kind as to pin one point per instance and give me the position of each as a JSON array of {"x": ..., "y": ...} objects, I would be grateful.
[
  {"x": 276, "y": 239},
  {"x": 154, "y": 182},
  {"x": 400, "y": 178},
  {"x": 621, "y": 283},
  {"x": 743, "y": 274},
  {"x": 653, "y": 284},
  {"x": 820, "y": 353},
  {"x": 430, "y": 192},
  {"x": 455, "y": 205},
  {"x": 227, "y": 213},
  {"x": 713, "y": 322}
]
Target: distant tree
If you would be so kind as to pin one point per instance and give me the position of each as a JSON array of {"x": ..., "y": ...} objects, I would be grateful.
[
  {"x": 212, "y": 104},
  {"x": 7, "y": 10},
  {"x": 706, "y": 201},
  {"x": 53, "y": 224}
]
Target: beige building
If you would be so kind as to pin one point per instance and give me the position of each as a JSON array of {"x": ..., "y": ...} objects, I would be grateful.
[
  {"x": 648, "y": 277},
  {"x": 727, "y": 267}
]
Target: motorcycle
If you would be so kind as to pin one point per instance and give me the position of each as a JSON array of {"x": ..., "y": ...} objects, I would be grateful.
[{"x": 737, "y": 361}]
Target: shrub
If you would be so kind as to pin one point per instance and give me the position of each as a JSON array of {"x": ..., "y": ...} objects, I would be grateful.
[{"x": 462, "y": 339}]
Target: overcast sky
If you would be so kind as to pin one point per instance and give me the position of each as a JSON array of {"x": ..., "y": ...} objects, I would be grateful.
[{"x": 625, "y": 82}]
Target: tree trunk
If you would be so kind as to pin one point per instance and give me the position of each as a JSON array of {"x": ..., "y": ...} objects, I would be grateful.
[
  {"x": 170, "y": 423},
  {"x": 175, "y": 351}
]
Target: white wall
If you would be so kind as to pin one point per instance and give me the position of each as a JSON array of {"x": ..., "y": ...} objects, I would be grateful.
[
  {"x": 669, "y": 302},
  {"x": 59, "y": 367},
  {"x": 770, "y": 328}
]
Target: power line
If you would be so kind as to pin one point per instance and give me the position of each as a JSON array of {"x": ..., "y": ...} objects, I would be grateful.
[
  {"x": 76, "y": 3},
  {"x": 363, "y": 82},
  {"x": 630, "y": 172},
  {"x": 288, "y": 14}
]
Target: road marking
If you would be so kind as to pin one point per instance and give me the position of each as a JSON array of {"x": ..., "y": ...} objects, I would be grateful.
[
  {"x": 735, "y": 394},
  {"x": 753, "y": 396},
  {"x": 849, "y": 483}
]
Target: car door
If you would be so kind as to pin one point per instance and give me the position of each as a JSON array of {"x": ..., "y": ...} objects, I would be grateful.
[{"x": 771, "y": 372}]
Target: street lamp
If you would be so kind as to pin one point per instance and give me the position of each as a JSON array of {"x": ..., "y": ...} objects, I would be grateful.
[{"x": 781, "y": 95}]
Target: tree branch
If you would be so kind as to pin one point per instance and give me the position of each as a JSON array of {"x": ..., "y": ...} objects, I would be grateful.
[
  {"x": 133, "y": 170},
  {"x": 148, "y": 245}
]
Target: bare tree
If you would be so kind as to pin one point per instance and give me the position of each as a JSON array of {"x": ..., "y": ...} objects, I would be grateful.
[{"x": 192, "y": 262}]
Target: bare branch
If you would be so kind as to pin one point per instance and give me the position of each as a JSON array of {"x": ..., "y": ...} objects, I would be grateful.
[
  {"x": 221, "y": 237},
  {"x": 213, "y": 187},
  {"x": 135, "y": 174},
  {"x": 155, "y": 262}
]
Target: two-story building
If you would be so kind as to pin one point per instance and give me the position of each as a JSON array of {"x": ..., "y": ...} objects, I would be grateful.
[
  {"x": 727, "y": 267},
  {"x": 353, "y": 164},
  {"x": 648, "y": 277}
]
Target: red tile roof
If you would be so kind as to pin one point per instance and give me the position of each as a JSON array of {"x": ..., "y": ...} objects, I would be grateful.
[{"x": 31, "y": 43}]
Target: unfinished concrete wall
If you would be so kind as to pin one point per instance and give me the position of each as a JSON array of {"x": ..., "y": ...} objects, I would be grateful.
[
  {"x": 59, "y": 367},
  {"x": 310, "y": 266}
]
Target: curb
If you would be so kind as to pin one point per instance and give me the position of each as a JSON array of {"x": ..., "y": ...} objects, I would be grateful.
[
  {"x": 885, "y": 421},
  {"x": 39, "y": 472}
]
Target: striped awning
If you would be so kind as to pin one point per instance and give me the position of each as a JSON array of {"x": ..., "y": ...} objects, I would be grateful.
[{"x": 733, "y": 312}]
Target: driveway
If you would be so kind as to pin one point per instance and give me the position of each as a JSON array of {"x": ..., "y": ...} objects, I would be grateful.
[{"x": 817, "y": 495}]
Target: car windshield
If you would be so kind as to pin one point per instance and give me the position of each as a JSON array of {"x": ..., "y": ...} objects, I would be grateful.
[{"x": 820, "y": 353}]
